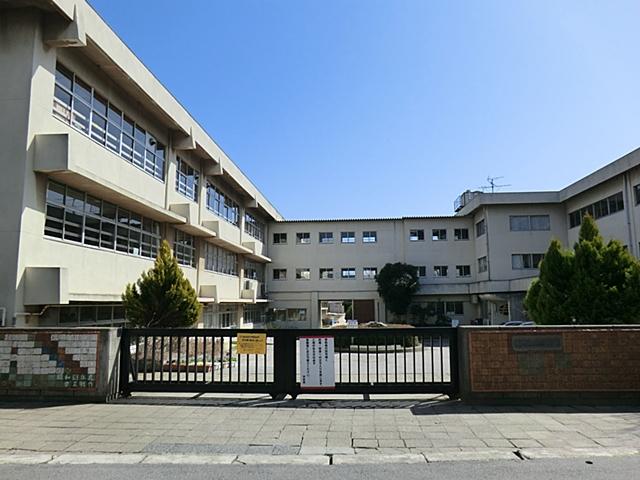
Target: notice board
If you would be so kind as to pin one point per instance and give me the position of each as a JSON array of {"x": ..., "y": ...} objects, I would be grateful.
[{"x": 317, "y": 363}]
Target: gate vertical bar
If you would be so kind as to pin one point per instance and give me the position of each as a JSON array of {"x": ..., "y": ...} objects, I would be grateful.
[{"x": 125, "y": 363}]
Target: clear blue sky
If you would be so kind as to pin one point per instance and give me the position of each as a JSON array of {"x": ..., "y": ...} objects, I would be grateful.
[{"x": 369, "y": 108}]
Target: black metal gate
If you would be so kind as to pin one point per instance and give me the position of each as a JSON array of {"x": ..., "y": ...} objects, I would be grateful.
[{"x": 390, "y": 360}]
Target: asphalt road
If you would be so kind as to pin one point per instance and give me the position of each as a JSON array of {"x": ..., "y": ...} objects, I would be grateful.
[{"x": 621, "y": 468}]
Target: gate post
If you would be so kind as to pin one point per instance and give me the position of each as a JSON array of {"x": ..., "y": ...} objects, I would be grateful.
[
  {"x": 454, "y": 363},
  {"x": 284, "y": 364},
  {"x": 125, "y": 363}
]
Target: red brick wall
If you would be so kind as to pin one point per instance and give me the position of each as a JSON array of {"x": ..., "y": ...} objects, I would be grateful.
[{"x": 588, "y": 360}]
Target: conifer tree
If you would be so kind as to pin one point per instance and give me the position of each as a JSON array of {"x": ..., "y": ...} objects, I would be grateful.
[
  {"x": 595, "y": 283},
  {"x": 161, "y": 297}
]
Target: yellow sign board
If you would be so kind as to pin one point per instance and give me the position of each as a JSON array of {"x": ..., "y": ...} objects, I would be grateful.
[{"x": 252, "y": 343}]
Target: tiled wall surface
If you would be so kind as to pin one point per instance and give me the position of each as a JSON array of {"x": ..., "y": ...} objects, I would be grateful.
[{"x": 48, "y": 360}]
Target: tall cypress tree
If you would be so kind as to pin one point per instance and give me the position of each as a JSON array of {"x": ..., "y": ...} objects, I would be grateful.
[
  {"x": 162, "y": 297},
  {"x": 596, "y": 283}
]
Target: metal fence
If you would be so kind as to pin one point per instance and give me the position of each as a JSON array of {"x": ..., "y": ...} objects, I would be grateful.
[{"x": 391, "y": 360}]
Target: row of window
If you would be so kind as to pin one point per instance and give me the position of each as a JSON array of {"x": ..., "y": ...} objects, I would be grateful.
[
  {"x": 368, "y": 273},
  {"x": 304, "y": 238},
  {"x": 187, "y": 180},
  {"x": 223, "y": 206},
  {"x": 253, "y": 227},
  {"x": 219, "y": 260},
  {"x": 438, "y": 234},
  {"x": 518, "y": 223},
  {"x": 78, "y": 104},
  {"x": 599, "y": 209},
  {"x": 76, "y": 216},
  {"x": 529, "y": 223},
  {"x": 445, "y": 308}
]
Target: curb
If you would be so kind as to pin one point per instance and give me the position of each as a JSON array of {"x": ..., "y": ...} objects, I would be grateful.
[{"x": 35, "y": 458}]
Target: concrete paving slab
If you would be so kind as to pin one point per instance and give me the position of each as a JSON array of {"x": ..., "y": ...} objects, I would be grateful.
[
  {"x": 540, "y": 453},
  {"x": 25, "y": 458},
  {"x": 378, "y": 459},
  {"x": 463, "y": 455},
  {"x": 86, "y": 458},
  {"x": 283, "y": 460},
  {"x": 190, "y": 459}
]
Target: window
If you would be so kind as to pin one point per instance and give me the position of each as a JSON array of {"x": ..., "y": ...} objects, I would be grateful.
[
  {"x": 253, "y": 314},
  {"x": 602, "y": 208},
  {"x": 348, "y": 273},
  {"x": 290, "y": 314},
  {"x": 279, "y": 238},
  {"x": 461, "y": 234},
  {"x": 369, "y": 273},
  {"x": 326, "y": 273},
  {"x": 88, "y": 315},
  {"x": 78, "y": 217},
  {"x": 220, "y": 204},
  {"x": 422, "y": 271},
  {"x": 303, "y": 274},
  {"x": 481, "y": 228},
  {"x": 253, "y": 227},
  {"x": 526, "y": 261},
  {"x": 463, "y": 270},
  {"x": 416, "y": 235},
  {"x": 446, "y": 308},
  {"x": 279, "y": 273},
  {"x": 369, "y": 237},
  {"x": 526, "y": 223},
  {"x": 636, "y": 193},
  {"x": 348, "y": 237},
  {"x": 303, "y": 238},
  {"x": 219, "y": 260},
  {"x": 221, "y": 316},
  {"x": 326, "y": 237},
  {"x": 187, "y": 180},
  {"x": 440, "y": 271},
  {"x": 253, "y": 271},
  {"x": 438, "y": 234},
  {"x": 454, "y": 308},
  {"x": 78, "y": 104},
  {"x": 185, "y": 249},
  {"x": 483, "y": 265}
]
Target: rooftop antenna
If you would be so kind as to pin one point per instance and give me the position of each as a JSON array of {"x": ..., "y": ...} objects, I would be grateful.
[{"x": 493, "y": 185}]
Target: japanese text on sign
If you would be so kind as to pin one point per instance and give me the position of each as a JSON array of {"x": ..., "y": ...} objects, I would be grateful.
[
  {"x": 317, "y": 362},
  {"x": 252, "y": 343}
]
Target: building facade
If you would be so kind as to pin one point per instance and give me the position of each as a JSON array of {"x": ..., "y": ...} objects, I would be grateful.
[{"x": 100, "y": 163}]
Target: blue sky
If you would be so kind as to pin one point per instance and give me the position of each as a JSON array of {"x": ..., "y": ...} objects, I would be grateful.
[{"x": 370, "y": 108}]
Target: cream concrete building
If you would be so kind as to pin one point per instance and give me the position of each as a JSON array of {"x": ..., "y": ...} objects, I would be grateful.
[
  {"x": 474, "y": 266},
  {"x": 100, "y": 162}
]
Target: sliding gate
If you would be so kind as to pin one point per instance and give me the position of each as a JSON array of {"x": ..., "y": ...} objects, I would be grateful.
[{"x": 390, "y": 360}]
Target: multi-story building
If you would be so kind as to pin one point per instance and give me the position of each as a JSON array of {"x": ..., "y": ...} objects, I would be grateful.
[
  {"x": 100, "y": 163},
  {"x": 474, "y": 266}
]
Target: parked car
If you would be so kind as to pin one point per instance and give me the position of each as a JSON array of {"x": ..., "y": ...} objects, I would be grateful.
[{"x": 518, "y": 323}]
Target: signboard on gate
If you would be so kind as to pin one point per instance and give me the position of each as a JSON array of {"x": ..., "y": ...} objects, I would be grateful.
[
  {"x": 252, "y": 343},
  {"x": 317, "y": 363}
]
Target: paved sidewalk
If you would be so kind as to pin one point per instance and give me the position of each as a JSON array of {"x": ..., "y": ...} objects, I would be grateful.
[{"x": 247, "y": 429}]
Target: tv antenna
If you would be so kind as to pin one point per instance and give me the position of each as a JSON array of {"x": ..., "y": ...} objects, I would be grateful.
[{"x": 493, "y": 185}]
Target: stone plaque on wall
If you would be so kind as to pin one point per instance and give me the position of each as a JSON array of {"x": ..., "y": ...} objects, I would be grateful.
[{"x": 537, "y": 343}]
